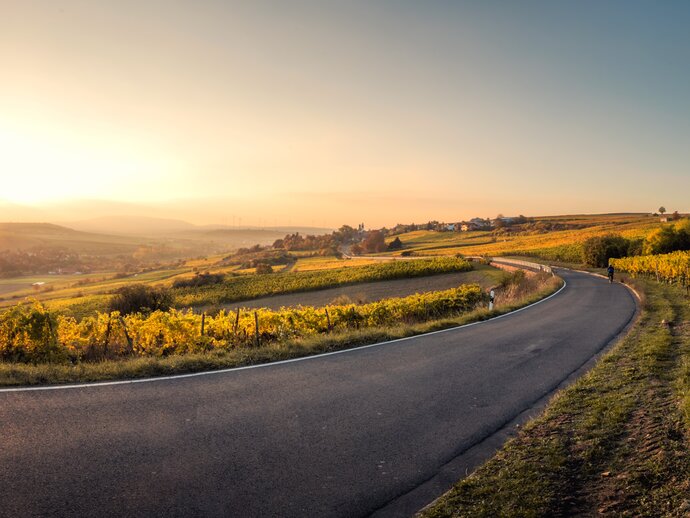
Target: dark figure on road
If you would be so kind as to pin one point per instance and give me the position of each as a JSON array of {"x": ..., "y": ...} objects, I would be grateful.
[{"x": 609, "y": 270}]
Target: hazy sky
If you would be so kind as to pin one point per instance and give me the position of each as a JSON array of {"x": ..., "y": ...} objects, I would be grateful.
[{"x": 331, "y": 112}]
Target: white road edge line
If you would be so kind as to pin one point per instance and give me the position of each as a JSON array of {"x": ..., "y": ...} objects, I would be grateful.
[
  {"x": 593, "y": 274},
  {"x": 271, "y": 364}
]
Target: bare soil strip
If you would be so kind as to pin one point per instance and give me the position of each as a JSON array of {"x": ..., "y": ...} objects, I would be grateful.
[{"x": 373, "y": 291}]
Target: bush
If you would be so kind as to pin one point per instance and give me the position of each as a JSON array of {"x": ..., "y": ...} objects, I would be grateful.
[
  {"x": 138, "y": 298},
  {"x": 204, "y": 279},
  {"x": 512, "y": 279},
  {"x": 396, "y": 244},
  {"x": 262, "y": 268},
  {"x": 375, "y": 242},
  {"x": 635, "y": 247},
  {"x": 596, "y": 251},
  {"x": 668, "y": 239}
]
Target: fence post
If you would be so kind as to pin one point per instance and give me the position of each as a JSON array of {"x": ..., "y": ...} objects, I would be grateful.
[
  {"x": 107, "y": 335},
  {"x": 203, "y": 322},
  {"x": 256, "y": 329},
  {"x": 328, "y": 319}
]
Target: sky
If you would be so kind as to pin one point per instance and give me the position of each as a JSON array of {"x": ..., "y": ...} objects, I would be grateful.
[{"x": 329, "y": 112}]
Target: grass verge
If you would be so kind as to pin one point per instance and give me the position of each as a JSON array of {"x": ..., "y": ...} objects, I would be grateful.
[
  {"x": 16, "y": 374},
  {"x": 614, "y": 443}
]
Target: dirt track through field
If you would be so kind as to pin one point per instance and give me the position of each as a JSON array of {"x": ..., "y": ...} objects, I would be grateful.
[{"x": 373, "y": 291}]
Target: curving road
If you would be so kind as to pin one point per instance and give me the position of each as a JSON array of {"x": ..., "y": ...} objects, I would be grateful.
[{"x": 339, "y": 435}]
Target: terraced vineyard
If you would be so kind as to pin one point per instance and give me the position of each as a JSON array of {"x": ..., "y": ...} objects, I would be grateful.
[
  {"x": 34, "y": 334},
  {"x": 673, "y": 267},
  {"x": 249, "y": 287},
  {"x": 557, "y": 245}
]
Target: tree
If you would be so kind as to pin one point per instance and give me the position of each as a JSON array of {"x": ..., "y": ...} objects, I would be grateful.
[
  {"x": 139, "y": 298},
  {"x": 596, "y": 251},
  {"x": 204, "y": 279},
  {"x": 668, "y": 238},
  {"x": 499, "y": 222},
  {"x": 375, "y": 242},
  {"x": 396, "y": 244},
  {"x": 662, "y": 210},
  {"x": 345, "y": 234}
]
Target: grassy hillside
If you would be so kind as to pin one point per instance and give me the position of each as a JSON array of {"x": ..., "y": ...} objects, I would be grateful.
[
  {"x": 554, "y": 238},
  {"x": 22, "y": 236}
]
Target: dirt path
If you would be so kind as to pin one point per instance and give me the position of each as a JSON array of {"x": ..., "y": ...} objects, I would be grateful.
[{"x": 372, "y": 291}]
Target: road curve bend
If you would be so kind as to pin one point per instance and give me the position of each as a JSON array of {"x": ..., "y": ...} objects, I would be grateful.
[{"x": 331, "y": 436}]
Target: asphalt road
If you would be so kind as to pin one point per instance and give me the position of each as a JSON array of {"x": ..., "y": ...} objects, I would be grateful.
[{"x": 339, "y": 435}]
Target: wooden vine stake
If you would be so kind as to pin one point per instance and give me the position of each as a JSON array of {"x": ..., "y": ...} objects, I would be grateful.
[
  {"x": 237, "y": 322},
  {"x": 256, "y": 329},
  {"x": 129, "y": 339},
  {"x": 107, "y": 334}
]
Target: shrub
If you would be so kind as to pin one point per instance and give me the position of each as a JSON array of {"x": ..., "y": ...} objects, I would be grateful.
[
  {"x": 512, "y": 278},
  {"x": 375, "y": 242},
  {"x": 262, "y": 268},
  {"x": 596, "y": 251},
  {"x": 204, "y": 279},
  {"x": 669, "y": 238},
  {"x": 138, "y": 298},
  {"x": 396, "y": 244}
]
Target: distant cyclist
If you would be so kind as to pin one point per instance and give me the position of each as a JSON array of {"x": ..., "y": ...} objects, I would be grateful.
[{"x": 609, "y": 270}]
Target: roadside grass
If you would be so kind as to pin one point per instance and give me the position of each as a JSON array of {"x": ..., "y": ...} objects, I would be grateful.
[
  {"x": 16, "y": 374},
  {"x": 613, "y": 443}
]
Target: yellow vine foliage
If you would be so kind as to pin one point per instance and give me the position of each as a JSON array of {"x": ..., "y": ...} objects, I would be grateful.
[
  {"x": 25, "y": 330},
  {"x": 673, "y": 267}
]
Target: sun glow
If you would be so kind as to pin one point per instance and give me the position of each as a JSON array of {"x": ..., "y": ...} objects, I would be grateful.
[{"x": 46, "y": 166}]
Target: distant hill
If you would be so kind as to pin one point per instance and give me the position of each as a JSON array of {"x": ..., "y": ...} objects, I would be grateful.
[
  {"x": 22, "y": 236},
  {"x": 132, "y": 225},
  {"x": 40, "y": 228},
  {"x": 125, "y": 234},
  {"x": 239, "y": 237},
  {"x": 14, "y": 212}
]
